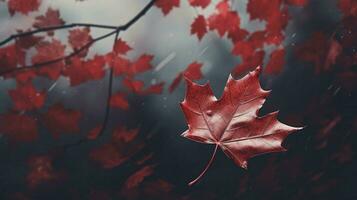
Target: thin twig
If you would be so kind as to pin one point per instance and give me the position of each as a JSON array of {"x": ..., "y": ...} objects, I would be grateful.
[
  {"x": 47, "y": 63},
  {"x": 111, "y": 77},
  {"x": 52, "y": 28},
  {"x": 89, "y": 44}
]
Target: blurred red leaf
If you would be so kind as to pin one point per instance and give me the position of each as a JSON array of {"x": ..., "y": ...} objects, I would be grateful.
[
  {"x": 51, "y": 18},
  {"x": 263, "y": 9},
  {"x": 26, "y": 97},
  {"x": 224, "y": 20},
  {"x": 348, "y": 7},
  {"x": 10, "y": 57},
  {"x": 124, "y": 144},
  {"x": 167, "y": 5},
  {"x": 19, "y": 127},
  {"x": 121, "y": 47},
  {"x": 135, "y": 179},
  {"x": 78, "y": 38},
  {"x": 249, "y": 63},
  {"x": 314, "y": 50},
  {"x": 41, "y": 171},
  {"x": 48, "y": 51},
  {"x": 232, "y": 122},
  {"x": 276, "y": 62},
  {"x": 199, "y": 26},
  {"x": 192, "y": 72},
  {"x": 201, "y": 3},
  {"x": 93, "y": 133},
  {"x": 58, "y": 120},
  {"x": 118, "y": 100},
  {"x": 22, "y": 6},
  {"x": 297, "y": 2},
  {"x": 79, "y": 71}
]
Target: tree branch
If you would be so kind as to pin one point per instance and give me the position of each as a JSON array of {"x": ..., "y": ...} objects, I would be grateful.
[
  {"x": 43, "y": 64},
  {"x": 52, "y": 28},
  {"x": 74, "y": 53},
  {"x": 111, "y": 75}
]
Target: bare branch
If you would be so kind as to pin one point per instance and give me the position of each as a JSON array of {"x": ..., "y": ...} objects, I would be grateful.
[
  {"x": 74, "y": 53},
  {"x": 43, "y": 64},
  {"x": 52, "y": 28},
  {"x": 111, "y": 76}
]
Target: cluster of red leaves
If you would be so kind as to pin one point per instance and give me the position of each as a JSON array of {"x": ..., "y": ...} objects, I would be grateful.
[
  {"x": 250, "y": 45},
  {"x": 49, "y": 60}
]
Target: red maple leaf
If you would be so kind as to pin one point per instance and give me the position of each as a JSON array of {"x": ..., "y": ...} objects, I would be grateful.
[
  {"x": 23, "y": 6},
  {"x": 18, "y": 127},
  {"x": 297, "y": 2},
  {"x": 135, "y": 179},
  {"x": 193, "y": 72},
  {"x": 58, "y": 120},
  {"x": 78, "y": 38},
  {"x": 48, "y": 51},
  {"x": 167, "y": 5},
  {"x": 124, "y": 144},
  {"x": 121, "y": 47},
  {"x": 249, "y": 63},
  {"x": 51, "y": 18},
  {"x": 118, "y": 100},
  {"x": 348, "y": 7},
  {"x": 276, "y": 62},
  {"x": 142, "y": 64},
  {"x": 199, "y": 27},
  {"x": 231, "y": 122},
  {"x": 79, "y": 71},
  {"x": 201, "y": 3},
  {"x": 10, "y": 57},
  {"x": 224, "y": 20},
  {"x": 314, "y": 50},
  {"x": 262, "y": 9},
  {"x": 26, "y": 97},
  {"x": 41, "y": 170}
]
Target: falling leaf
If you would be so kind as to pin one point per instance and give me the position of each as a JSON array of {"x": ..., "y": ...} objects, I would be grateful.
[{"x": 231, "y": 122}]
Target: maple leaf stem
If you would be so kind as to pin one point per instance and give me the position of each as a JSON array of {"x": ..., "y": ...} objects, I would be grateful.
[{"x": 206, "y": 168}]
